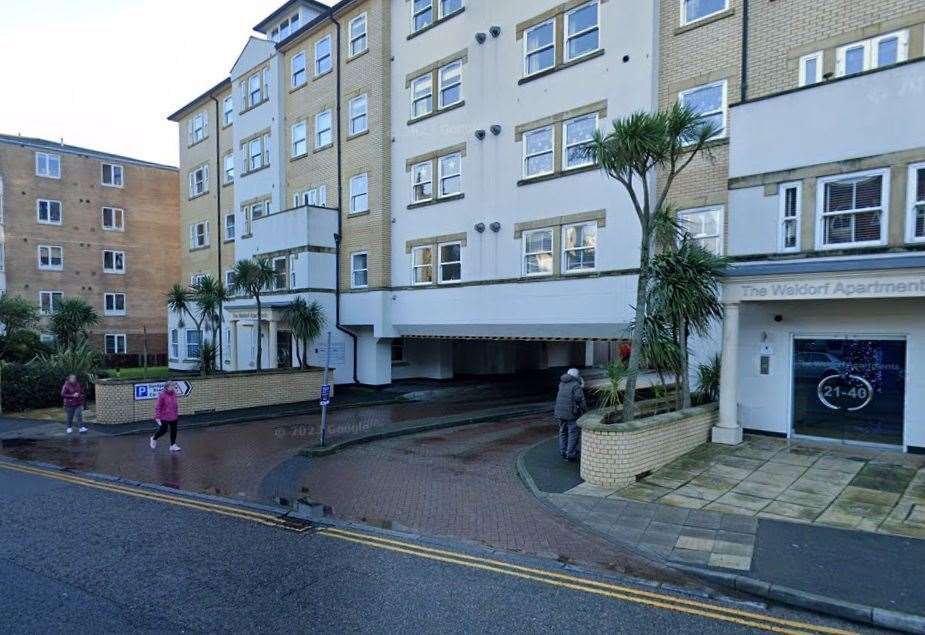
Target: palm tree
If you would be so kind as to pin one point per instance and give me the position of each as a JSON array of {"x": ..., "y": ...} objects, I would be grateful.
[
  {"x": 306, "y": 321},
  {"x": 70, "y": 321},
  {"x": 640, "y": 147},
  {"x": 180, "y": 300},
  {"x": 210, "y": 295},
  {"x": 252, "y": 277}
]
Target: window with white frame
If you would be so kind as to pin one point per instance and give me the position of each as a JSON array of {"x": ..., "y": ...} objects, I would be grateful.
[
  {"x": 115, "y": 344},
  {"x": 705, "y": 226},
  {"x": 49, "y": 301},
  {"x": 422, "y": 14},
  {"x": 199, "y": 180},
  {"x": 694, "y": 10},
  {"x": 358, "y": 39},
  {"x": 229, "y": 278},
  {"x": 48, "y": 212},
  {"x": 323, "y": 129},
  {"x": 422, "y": 265},
  {"x": 422, "y": 182},
  {"x": 197, "y": 128},
  {"x": 229, "y": 226},
  {"x": 577, "y": 134},
  {"x": 113, "y": 261},
  {"x": 359, "y": 193},
  {"x": 228, "y": 165},
  {"x": 537, "y": 252},
  {"x": 875, "y": 52},
  {"x": 790, "y": 209},
  {"x": 538, "y": 152},
  {"x": 51, "y": 257},
  {"x": 299, "y": 76},
  {"x": 113, "y": 219},
  {"x": 916, "y": 199},
  {"x": 450, "y": 174},
  {"x": 112, "y": 175},
  {"x": 48, "y": 164},
  {"x": 174, "y": 344},
  {"x": 193, "y": 340},
  {"x": 323, "y": 58},
  {"x": 708, "y": 101},
  {"x": 422, "y": 96},
  {"x": 196, "y": 279},
  {"x": 314, "y": 196},
  {"x": 582, "y": 31},
  {"x": 256, "y": 153},
  {"x": 300, "y": 139},
  {"x": 359, "y": 270},
  {"x": 852, "y": 209},
  {"x": 280, "y": 273},
  {"x": 450, "y": 265},
  {"x": 811, "y": 69},
  {"x": 285, "y": 28},
  {"x": 228, "y": 111},
  {"x": 199, "y": 235},
  {"x": 540, "y": 48},
  {"x": 114, "y": 304},
  {"x": 359, "y": 114},
  {"x": 450, "y": 77},
  {"x": 579, "y": 245},
  {"x": 449, "y": 7}
]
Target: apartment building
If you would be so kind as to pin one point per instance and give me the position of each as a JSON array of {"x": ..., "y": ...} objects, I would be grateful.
[
  {"x": 815, "y": 189},
  {"x": 81, "y": 223}
]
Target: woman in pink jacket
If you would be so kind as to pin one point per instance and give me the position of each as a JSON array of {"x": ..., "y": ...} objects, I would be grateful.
[{"x": 166, "y": 413}]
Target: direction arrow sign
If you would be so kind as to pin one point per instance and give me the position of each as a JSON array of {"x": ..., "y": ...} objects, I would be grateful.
[{"x": 151, "y": 390}]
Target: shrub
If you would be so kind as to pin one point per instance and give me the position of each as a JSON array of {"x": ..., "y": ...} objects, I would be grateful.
[
  {"x": 37, "y": 384},
  {"x": 22, "y": 346},
  {"x": 708, "y": 380}
]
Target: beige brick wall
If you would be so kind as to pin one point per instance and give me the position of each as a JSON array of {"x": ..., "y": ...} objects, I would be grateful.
[{"x": 115, "y": 399}]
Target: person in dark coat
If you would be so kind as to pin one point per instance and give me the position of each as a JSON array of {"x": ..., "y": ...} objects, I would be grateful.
[{"x": 570, "y": 404}]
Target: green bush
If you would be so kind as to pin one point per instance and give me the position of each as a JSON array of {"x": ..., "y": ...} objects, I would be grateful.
[
  {"x": 708, "y": 375},
  {"x": 22, "y": 346},
  {"x": 37, "y": 384}
]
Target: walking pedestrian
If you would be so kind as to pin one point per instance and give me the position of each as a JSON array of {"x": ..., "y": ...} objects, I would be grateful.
[
  {"x": 166, "y": 414},
  {"x": 570, "y": 404},
  {"x": 73, "y": 395}
]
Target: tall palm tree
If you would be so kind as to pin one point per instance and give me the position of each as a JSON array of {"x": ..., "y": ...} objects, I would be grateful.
[
  {"x": 252, "y": 277},
  {"x": 210, "y": 295},
  {"x": 306, "y": 321},
  {"x": 70, "y": 321},
  {"x": 180, "y": 300}
]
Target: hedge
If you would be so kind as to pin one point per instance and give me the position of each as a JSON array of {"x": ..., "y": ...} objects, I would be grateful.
[{"x": 28, "y": 386}]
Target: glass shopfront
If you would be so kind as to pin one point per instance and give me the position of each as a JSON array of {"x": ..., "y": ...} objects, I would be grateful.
[{"x": 849, "y": 389}]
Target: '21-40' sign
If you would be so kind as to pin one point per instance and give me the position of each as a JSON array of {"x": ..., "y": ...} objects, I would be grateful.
[{"x": 144, "y": 392}]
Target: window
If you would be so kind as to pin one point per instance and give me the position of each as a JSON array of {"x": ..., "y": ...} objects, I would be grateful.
[
  {"x": 228, "y": 111},
  {"x": 174, "y": 344},
  {"x": 199, "y": 181},
  {"x": 49, "y": 301},
  {"x": 113, "y": 261},
  {"x": 578, "y": 133},
  {"x": 358, "y": 35},
  {"x": 705, "y": 226},
  {"x": 252, "y": 212},
  {"x": 193, "y": 338},
  {"x": 451, "y": 84},
  {"x": 323, "y": 60},
  {"x": 916, "y": 198},
  {"x": 254, "y": 90},
  {"x": 113, "y": 219},
  {"x": 422, "y": 177},
  {"x": 422, "y": 96},
  {"x": 229, "y": 168},
  {"x": 285, "y": 28},
  {"x": 693, "y": 10},
  {"x": 359, "y": 270},
  {"x": 398, "y": 350},
  {"x": 256, "y": 153},
  {"x": 449, "y": 7},
  {"x": 48, "y": 212},
  {"x": 196, "y": 279},
  {"x": 579, "y": 243},
  {"x": 280, "y": 273},
  {"x": 197, "y": 128},
  {"x": 229, "y": 226},
  {"x": 229, "y": 279},
  {"x": 115, "y": 344},
  {"x": 315, "y": 196},
  {"x": 540, "y": 48},
  {"x": 450, "y": 172},
  {"x": 852, "y": 209},
  {"x": 581, "y": 31},
  {"x": 422, "y": 265},
  {"x": 422, "y": 14},
  {"x": 298, "y": 69},
  {"x": 450, "y": 269},
  {"x": 359, "y": 193},
  {"x": 710, "y": 103},
  {"x": 811, "y": 69},
  {"x": 114, "y": 303},
  {"x": 538, "y": 152},
  {"x": 300, "y": 139},
  {"x": 199, "y": 235},
  {"x": 112, "y": 175},
  {"x": 359, "y": 120},
  {"x": 537, "y": 246},
  {"x": 873, "y": 53},
  {"x": 48, "y": 165},
  {"x": 323, "y": 134},
  {"x": 790, "y": 209},
  {"x": 51, "y": 258}
]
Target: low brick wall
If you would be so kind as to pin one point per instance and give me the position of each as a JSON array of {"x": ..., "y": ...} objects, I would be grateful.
[
  {"x": 613, "y": 454},
  {"x": 116, "y": 403}
]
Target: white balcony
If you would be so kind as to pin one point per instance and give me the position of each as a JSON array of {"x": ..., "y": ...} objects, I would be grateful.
[{"x": 290, "y": 229}]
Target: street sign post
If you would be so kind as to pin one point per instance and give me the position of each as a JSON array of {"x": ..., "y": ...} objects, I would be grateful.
[
  {"x": 151, "y": 390},
  {"x": 325, "y": 391}
]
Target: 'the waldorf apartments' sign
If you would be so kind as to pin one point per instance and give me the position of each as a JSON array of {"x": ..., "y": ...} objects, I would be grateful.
[{"x": 828, "y": 289}]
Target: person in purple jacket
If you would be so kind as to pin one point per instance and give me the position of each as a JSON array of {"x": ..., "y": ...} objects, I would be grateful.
[
  {"x": 166, "y": 413},
  {"x": 73, "y": 395}
]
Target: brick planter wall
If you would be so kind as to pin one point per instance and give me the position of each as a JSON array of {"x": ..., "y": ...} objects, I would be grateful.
[
  {"x": 115, "y": 399},
  {"x": 612, "y": 455}
]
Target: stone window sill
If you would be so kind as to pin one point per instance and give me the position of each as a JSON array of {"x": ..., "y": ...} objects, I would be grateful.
[
  {"x": 440, "y": 111},
  {"x": 556, "y": 175},
  {"x": 705, "y": 21},
  {"x": 436, "y": 23},
  {"x": 358, "y": 55},
  {"x": 561, "y": 67},
  {"x": 437, "y": 201}
]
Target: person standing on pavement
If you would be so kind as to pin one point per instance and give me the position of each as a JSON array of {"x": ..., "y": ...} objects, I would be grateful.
[
  {"x": 73, "y": 395},
  {"x": 166, "y": 414},
  {"x": 570, "y": 404}
]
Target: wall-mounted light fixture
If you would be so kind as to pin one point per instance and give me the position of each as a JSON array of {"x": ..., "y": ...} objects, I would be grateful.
[
  {"x": 480, "y": 227},
  {"x": 495, "y": 227},
  {"x": 496, "y": 130},
  {"x": 495, "y": 31},
  {"x": 480, "y": 37},
  {"x": 480, "y": 134}
]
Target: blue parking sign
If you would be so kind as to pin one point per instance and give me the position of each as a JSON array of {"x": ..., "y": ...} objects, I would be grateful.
[
  {"x": 326, "y": 392},
  {"x": 141, "y": 391}
]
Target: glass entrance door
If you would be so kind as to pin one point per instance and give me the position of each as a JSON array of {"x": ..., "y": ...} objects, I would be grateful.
[
  {"x": 849, "y": 389},
  {"x": 284, "y": 349}
]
